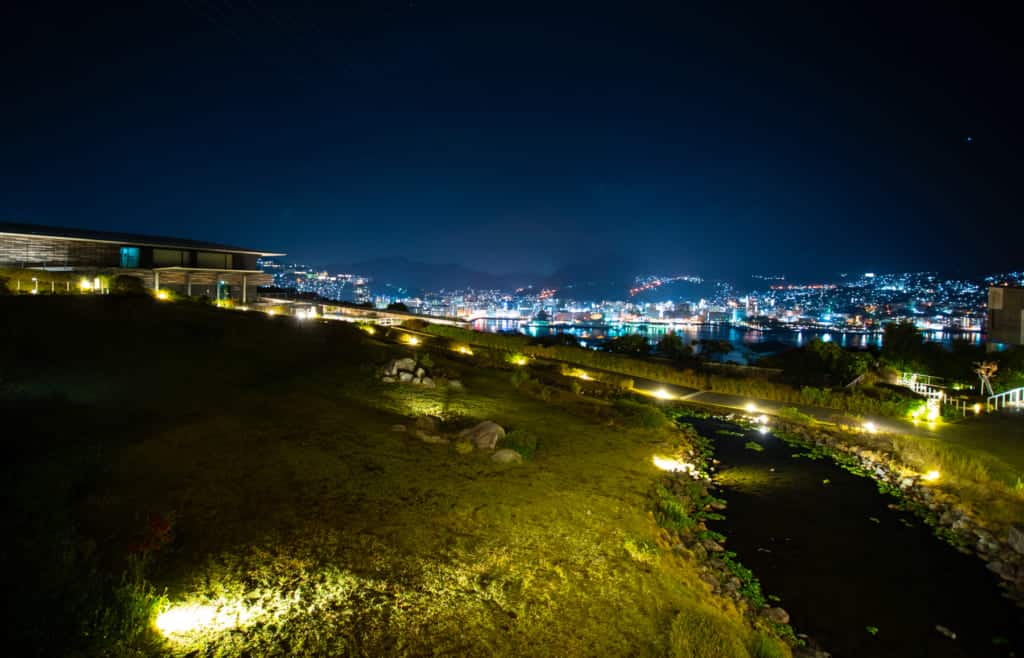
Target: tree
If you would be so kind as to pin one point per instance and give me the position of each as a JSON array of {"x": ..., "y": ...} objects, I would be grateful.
[
  {"x": 902, "y": 345},
  {"x": 398, "y": 306},
  {"x": 710, "y": 347},
  {"x": 631, "y": 344},
  {"x": 671, "y": 346}
]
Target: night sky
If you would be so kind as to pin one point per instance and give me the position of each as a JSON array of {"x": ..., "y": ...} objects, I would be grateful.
[{"x": 519, "y": 137}]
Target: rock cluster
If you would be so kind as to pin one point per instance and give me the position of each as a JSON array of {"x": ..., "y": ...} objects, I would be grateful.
[
  {"x": 482, "y": 436},
  {"x": 406, "y": 371}
]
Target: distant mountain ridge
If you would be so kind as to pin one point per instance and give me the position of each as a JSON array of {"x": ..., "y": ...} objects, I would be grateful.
[{"x": 414, "y": 275}]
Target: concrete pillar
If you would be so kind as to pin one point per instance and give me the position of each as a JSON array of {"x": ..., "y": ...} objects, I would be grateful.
[
  {"x": 188, "y": 283},
  {"x": 216, "y": 284},
  {"x": 245, "y": 282},
  {"x": 156, "y": 279}
]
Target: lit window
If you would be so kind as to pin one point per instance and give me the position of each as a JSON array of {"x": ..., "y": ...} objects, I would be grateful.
[{"x": 129, "y": 257}]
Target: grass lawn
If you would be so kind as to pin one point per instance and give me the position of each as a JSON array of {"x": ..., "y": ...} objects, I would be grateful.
[{"x": 253, "y": 461}]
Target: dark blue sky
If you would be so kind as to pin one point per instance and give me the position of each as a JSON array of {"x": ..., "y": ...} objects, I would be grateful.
[{"x": 514, "y": 137}]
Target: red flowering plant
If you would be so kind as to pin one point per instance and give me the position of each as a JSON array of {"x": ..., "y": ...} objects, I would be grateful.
[{"x": 159, "y": 532}]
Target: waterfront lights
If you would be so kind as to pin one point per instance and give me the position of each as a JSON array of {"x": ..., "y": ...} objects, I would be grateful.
[
  {"x": 662, "y": 394},
  {"x": 674, "y": 465},
  {"x": 751, "y": 407},
  {"x": 870, "y": 427},
  {"x": 931, "y": 476}
]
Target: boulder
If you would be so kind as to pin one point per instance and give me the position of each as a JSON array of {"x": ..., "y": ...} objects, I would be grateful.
[
  {"x": 463, "y": 446},
  {"x": 404, "y": 376},
  {"x": 711, "y": 546},
  {"x": 404, "y": 365},
  {"x": 455, "y": 385},
  {"x": 420, "y": 372},
  {"x": 1015, "y": 537},
  {"x": 775, "y": 615},
  {"x": 388, "y": 379},
  {"x": 429, "y": 424},
  {"x": 507, "y": 456},
  {"x": 428, "y": 429},
  {"x": 484, "y": 435},
  {"x": 428, "y": 382}
]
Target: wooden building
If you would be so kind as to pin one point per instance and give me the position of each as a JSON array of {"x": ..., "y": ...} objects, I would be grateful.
[{"x": 188, "y": 267}]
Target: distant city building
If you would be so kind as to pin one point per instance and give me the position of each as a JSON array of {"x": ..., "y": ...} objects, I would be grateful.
[
  {"x": 1006, "y": 315},
  {"x": 188, "y": 267}
]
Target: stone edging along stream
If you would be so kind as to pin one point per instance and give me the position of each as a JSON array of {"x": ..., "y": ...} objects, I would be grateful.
[{"x": 941, "y": 509}]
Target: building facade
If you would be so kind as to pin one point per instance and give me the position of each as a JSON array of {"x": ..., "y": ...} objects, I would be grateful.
[
  {"x": 187, "y": 267},
  {"x": 1006, "y": 315}
]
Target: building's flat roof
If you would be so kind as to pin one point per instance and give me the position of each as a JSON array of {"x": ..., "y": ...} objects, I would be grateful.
[{"x": 59, "y": 233}]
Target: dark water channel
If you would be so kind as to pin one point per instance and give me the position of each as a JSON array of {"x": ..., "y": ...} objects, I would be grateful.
[{"x": 843, "y": 562}]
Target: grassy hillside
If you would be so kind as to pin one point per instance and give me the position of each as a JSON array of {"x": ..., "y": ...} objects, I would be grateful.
[{"x": 243, "y": 472}]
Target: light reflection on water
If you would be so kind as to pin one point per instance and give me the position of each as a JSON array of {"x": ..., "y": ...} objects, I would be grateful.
[{"x": 743, "y": 340}]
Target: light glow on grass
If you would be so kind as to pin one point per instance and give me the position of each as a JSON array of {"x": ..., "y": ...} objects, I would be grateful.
[
  {"x": 674, "y": 465},
  {"x": 163, "y": 295},
  {"x": 933, "y": 414},
  {"x": 764, "y": 429},
  {"x": 518, "y": 360},
  {"x": 870, "y": 427},
  {"x": 412, "y": 340},
  {"x": 193, "y": 618},
  {"x": 464, "y": 349},
  {"x": 751, "y": 408},
  {"x": 662, "y": 394},
  {"x": 931, "y": 476}
]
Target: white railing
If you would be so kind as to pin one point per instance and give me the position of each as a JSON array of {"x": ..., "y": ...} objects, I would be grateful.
[{"x": 1011, "y": 398}]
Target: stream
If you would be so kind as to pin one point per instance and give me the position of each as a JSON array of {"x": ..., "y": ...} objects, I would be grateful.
[{"x": 857, "y": 576}]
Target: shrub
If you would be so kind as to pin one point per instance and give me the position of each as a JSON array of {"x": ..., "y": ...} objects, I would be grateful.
[
  {"x": 763, "y": 645},
  {"x": 704, "y": 634},
  {"x": 639, "y": 414},
  {"x": 523, "y": 442},
  {"x": 125, "y": 284}
]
